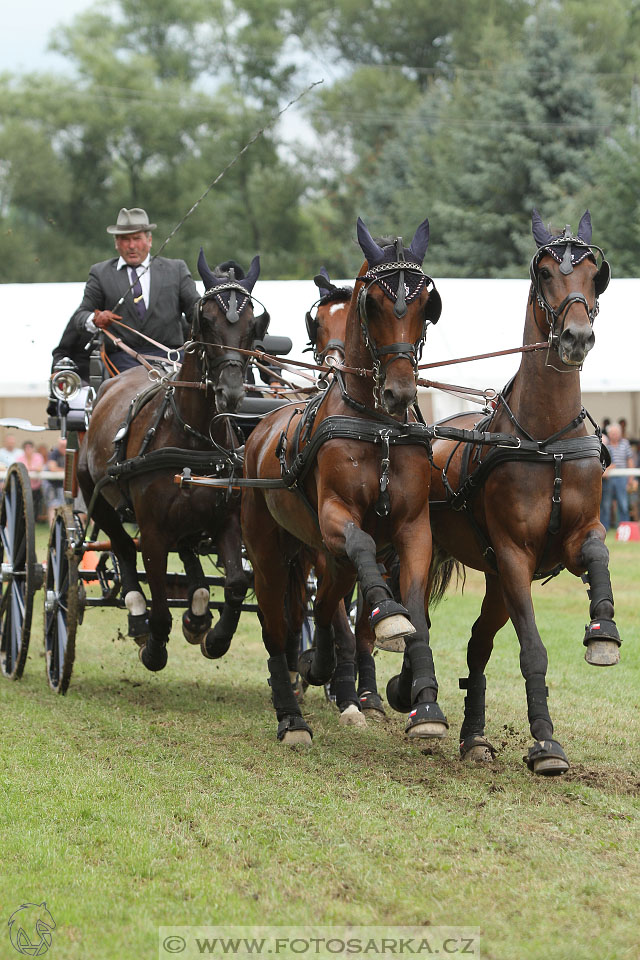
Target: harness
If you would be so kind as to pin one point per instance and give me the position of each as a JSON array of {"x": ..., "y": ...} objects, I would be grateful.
[{"x": 507, "y": 448}]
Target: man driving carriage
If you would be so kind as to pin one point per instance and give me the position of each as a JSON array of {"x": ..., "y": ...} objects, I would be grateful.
[{"x": 154, "y": 296}]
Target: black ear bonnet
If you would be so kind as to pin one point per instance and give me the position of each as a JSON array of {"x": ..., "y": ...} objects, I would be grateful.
[
  {"x": 568, "y": 250},
  {"x": 329, "y": 293}
]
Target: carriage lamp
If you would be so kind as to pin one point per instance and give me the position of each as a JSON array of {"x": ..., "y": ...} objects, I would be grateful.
[{"x": 65, "y": 380}]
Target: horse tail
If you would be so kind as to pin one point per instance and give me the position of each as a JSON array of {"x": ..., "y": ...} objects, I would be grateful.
[{"x": 443, "y": 567}]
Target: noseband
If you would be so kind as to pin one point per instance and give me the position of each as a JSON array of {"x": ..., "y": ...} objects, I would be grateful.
[
  {"x": 556, "y": 317},
  {"x": 393, "y": 351}
]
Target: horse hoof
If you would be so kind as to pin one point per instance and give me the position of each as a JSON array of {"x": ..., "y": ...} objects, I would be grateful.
[
  {"x": 351, "y": 717},
  {"x": 155, "y": 660},
  {"x": 547, "y": 758},
  {"x": 426, "y": 722},
  {"x": 371, "y": 706},
  {"x": 391, "y": 631},
  {"x": 305, "y": 666},
  {"x": 602, "y": 653},
  {"x": 213, "y": 647},
  {"x": 297, "y": 738},
  {"x": 477, "y": 749},
  {"x": 427, "y": 731}
]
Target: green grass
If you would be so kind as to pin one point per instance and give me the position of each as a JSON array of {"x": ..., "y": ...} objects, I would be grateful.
[{"x": 141, "y": 800}]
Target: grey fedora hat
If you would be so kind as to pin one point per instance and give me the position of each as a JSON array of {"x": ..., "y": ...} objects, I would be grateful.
[{"x": 134, "y": 220}]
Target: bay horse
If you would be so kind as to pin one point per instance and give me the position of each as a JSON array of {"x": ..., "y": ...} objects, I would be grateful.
[
  {"x": 357, "y": 467},
  {"x": 520, "y": 514},
  {"x": 159, "y": 429}
]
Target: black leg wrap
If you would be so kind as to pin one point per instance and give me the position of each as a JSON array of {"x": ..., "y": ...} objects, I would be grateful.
[
  {"x": 399, "y": 687},
  {"x": 343, "y": 685},
  {"x": 361, "y": 550},
  {"x": 196, "y": 623},
  {"x": 474, "y": 709},
  {"x": 424, "y": 686},
  {"x": 316, "y": 666},
  {"x": 386, "y": 608},
  {"x": 601, "y": 630},
  {"x": 366, "y": 673},
  {"x": 154, "y": 655},
  {"x": 292, "y": 723},
  {"x": 426, "y": 713},
  {"x": 282, "y": 695},
  {"x": 596, "y": 559},
  {"x": 138, "y": 625},
  {"x": 547, "y": 757},
  {"x": 538, "y": 711}
]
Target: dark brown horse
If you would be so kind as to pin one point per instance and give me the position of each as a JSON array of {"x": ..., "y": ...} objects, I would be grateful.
[
  {"x": 517, "y": 514},
  {"x": 358, "y": 470},
  {"x": 178, "y": 422}
]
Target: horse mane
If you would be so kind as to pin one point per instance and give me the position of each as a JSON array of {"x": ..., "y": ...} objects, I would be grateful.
[
  {"x": 338, "y": 294},
  {"x": 223, "y": 269}
]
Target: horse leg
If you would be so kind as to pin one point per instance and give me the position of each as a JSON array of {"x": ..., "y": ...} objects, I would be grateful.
[
  {"x": 546, "y": 756},
  {"x": 277, "y": 575},
  {"x": 229, "y": 543},
  {"x": 368, "y": 696},
  {"x": 389, "y": 618},
  {"x": 154, "y": 556},
  {"x": 415, "y": 687},
  {"x": 344, "y": 678},
  {"x": 125, "y": 550},
  {"x": 493, "y": 616},
  {"x": 601, "y": 639},
  {"x": 196, "y": 619}
]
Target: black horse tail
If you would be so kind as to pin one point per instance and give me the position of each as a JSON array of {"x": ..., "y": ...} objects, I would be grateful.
[{"x": 443, "y": 567}]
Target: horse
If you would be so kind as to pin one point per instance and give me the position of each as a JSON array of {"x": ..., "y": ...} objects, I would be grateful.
[
  {"x": 530, "y": 505},
  {"x": 178, "y": 420},
  {"x": 335, "y": 482}
]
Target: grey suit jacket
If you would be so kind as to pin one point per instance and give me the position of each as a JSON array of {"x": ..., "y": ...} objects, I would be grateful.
[{"x": 172, "y": 297}]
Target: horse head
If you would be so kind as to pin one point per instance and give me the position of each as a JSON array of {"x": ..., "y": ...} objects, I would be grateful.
[
  {"x": 566, "y": 281},
  {"x": 224, "y": 324},
  {"x": 395, "y": 303},
  {"x": 326, "y": 329}
]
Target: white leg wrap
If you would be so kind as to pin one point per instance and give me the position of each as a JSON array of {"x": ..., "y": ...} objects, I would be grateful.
[
  {"x": 200, "y": 601},
  {"x": 135, "y": 603}
]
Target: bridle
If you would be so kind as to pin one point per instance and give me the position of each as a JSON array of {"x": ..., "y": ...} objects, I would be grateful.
[
  {"x": 557, "y": 316},
  {"x": 225, "y": 357},
  {"x": 402, "y": 296},
  {"x": 312, "y": 324}
]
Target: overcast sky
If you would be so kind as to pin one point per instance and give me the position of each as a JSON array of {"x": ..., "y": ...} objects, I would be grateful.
[{"x": 26, "y": 26}]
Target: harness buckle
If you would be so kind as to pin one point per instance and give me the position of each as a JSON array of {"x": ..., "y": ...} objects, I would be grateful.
[{"x": 511, "y": 446}]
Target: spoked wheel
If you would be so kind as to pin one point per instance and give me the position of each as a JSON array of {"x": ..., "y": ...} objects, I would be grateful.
[
  {"x": 61, "y": 600},
  {"x": 18, "y": 576}
]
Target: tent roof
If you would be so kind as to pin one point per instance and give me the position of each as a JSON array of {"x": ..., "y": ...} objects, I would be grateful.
[{"x": 478, "y": 316}]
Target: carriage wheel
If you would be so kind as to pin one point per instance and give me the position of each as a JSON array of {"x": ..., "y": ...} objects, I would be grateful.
[
  {"x": 18, "y": 576},
  {"x": 61, "y": 600}
]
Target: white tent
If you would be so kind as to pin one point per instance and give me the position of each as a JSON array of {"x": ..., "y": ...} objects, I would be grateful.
[{"x": 478, "y": 316}]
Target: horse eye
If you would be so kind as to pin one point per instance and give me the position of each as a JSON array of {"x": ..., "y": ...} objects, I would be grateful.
[{"x": 545, "y": 273}]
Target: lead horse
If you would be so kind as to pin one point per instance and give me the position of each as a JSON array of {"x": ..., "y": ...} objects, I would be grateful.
[
  {"x": 529, "y": 506},
  {"x": 357, "y": 467},
  {"x": 141, "y": 434}
]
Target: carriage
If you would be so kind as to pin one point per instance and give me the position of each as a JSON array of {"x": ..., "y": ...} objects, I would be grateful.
[{"x": 514, "y": 495}]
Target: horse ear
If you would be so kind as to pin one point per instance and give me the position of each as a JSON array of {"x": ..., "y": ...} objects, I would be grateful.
[
  {"x": 372, "y": 252},
  {"x": 584, "y": 227},
  {"x": 205, "y": 272},
  {"x": 248, "y": 282},
  {"x": 420, "y": 241},
  {"x": 540, "y": 233},
  {"x": 323, "y": 283}
]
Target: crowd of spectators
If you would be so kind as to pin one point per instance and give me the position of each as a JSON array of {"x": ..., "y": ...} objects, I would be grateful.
[{"x": 47, "y": 491}]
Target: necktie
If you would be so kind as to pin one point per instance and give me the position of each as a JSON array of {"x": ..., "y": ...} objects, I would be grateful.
[{"x": 137, "y": 294}]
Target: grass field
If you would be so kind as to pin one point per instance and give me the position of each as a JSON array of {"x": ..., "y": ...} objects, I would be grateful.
[{"x": 143, "y": 800}]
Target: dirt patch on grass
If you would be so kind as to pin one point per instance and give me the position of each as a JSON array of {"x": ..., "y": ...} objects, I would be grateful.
[{"x": 611, "y": 780}]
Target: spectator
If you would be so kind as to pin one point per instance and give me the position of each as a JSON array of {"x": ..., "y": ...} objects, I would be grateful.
[
  {"x": 616, "y": 488},
  {"x": 53, "y": 489},
  {"x": 34, "y": 462},
  {"x": 9, "y": 451}
]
